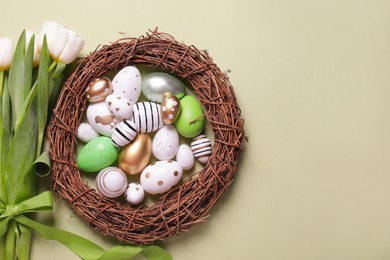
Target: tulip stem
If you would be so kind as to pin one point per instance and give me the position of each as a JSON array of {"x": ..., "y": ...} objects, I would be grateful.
[{"x": 52, "y": 66}]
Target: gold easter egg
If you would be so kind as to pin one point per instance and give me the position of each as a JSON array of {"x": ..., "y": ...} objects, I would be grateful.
[
  {"x": 99, "y": 89},
  {"x": 135, "y": 156},
  {"x": 170, "y": 108}
]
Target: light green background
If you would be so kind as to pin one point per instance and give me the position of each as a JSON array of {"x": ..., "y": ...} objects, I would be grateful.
[{"x": 313, "y": 82}]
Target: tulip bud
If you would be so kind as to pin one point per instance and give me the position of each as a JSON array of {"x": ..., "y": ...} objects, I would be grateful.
[
  {"x": 37, "y": 53},
  {"x": 6, "y": 53},
  {"x": 72, "y": 48}
]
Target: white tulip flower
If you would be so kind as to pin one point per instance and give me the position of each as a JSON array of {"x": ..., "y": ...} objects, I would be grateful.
[
  {"x": 37, "y": 53},
  {"x": 64, "y": 44},
  {"x": 6, "y": 53}
]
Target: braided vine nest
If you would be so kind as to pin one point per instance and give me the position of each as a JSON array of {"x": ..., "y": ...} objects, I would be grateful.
[{"x": 182, "y": 207}]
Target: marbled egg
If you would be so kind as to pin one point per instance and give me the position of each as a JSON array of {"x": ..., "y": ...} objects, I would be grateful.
[
  {"x": 127, "y": 83},
  {"x": 161, "y": 176},
  {"x": 166, "y": 143},
  {"x": 201, "y": 148},
  {"x": 97, "y": 154},
  {"x": 119, "y": 106},
  {"x": 124, "y": 133},
  {"x": 98, "y": 89},
  {"x": 170, "y": 108},
  {"x": 86, "y": 133},
  {"x": 134, "y": 194},
  {"x": 190, "y": 122},
  {"x": 147, "y": 116},
  {"x": 111, "y": 182},
  {"x": 185, "y": 157},
  {"x": 156, "y": 84},
  {"x": 101, "y": 118}
]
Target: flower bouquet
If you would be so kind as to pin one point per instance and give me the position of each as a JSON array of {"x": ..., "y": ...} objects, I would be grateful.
[{"x": 30, "y": 79}]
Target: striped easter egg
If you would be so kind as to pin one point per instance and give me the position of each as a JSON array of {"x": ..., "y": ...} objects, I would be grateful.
[
  {"x": 124, "y": 133},
  {"x": 111, "y": 182},
  {"x": 147, "y": 116},
  {"x": 201, "y": 148}
]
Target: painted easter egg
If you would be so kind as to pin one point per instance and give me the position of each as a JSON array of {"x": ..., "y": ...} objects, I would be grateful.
[
  {"x": 190, "y": 122},
  {"x": 124, "y": 133},
  {"x": 119, "y": 106},
  {"x": 86, "y": 133},
  {"x": 111, "y": 182},
  {"x": 101, "y": 118},
  {"x": 97, "y": 154},
  {"x": 161, "y": 176},
  {"x": 201, "y": 148},
  {"x": 135, "y": 156},
  {"x": 170, "y": 108},
  {"x": 185, "y": 157},
  {"x": 156, "y": 84},
  {"x": 98, "y": 89},
  {"x": 134, "y": 194},
  {"x": 147, "y": 116},
  {"x": 166, "y": 143},
  {"x": 127, "y": 83}
]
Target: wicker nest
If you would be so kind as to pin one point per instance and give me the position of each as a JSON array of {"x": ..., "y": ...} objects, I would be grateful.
[{"x": 182, "y": 207}]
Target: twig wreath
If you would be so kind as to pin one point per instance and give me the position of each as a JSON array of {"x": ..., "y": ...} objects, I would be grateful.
[{"x": 182, "y": 207}]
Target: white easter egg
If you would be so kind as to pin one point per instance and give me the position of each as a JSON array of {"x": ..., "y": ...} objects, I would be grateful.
[
  {"x": 111, "y": 182},
  {"x": 86, "y": 133},
  {"x": 185, "y": 157},
  {"x": 134, "y": 194},
  {"x": 147, "y": 116},
  {"x": 127, "y": 83},
  {"x": 124, "y": 133},
  {"x": 101, "y": 118},
  {"x": 161, "y": 176},
  {"x": 201, "y": 148},
  {"x": 119, "y": 106},
  {"x": 165, "y": 143}
]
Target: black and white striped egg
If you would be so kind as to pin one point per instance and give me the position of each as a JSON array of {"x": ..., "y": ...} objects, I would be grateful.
[
  {"x": 124, "y": 133},
  {"x": 111, "y": 182},
  {"x": 201, "y": 148},
  {"x": 147, "y": 116}
]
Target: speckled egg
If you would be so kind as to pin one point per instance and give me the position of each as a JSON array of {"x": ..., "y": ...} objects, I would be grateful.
[
  {"x": 201, "y": 148},
  {"x": 119, "y": 106},
  {"x": 166, "y": 143},
  {"x": 97, "y": 154},
  {"x": 98, "y": 89},
  {"x": 127, "y": 83},
  {"x": 86, "y": 133},
  {"x": 185, "y": 157},
  {"x": 134, "y": 194},
  {"x": 161, "y": 176},
  {"x": 147, "y": 116},
  {"x": 111, "y": 182},
  {"x": 156, "y": 84},
  {"x": 101, "y": 118}
]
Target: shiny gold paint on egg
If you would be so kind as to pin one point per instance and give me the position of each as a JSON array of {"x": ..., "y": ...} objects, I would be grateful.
[
  {"x": 99, "y": 89},
  {"x": 170, "y": 108},
  {"x": 135, "y": 156}
]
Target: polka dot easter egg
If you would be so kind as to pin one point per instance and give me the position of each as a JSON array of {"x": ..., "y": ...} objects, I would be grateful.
[
  {"x": 127, "y": 83},
  {"x": 119, "y": 106}
]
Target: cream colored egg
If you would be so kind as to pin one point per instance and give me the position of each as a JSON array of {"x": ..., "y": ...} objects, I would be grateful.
[{"x": 127, "y": 83}]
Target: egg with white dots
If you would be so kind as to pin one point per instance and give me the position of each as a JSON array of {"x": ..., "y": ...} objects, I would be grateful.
[
  {"x": 86, "y": 133},
  {"x": 134, "y": 194},
  {"x": 185, "y": 157},
  {"x": 127, "y": 83},
  {"x": 165, "y": 143},
  {"x": 201, "y": 148},
  {"x": 147, "y": 116},
  {"x": 111, "y": 182},
  {"x": 120, "y": 106},
  {"x": 159, "y": 177}
]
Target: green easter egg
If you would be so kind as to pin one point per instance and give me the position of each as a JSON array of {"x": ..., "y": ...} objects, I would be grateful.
[
  {"x": 97, "y": 154},
  {"x": 190, "y": 122}
]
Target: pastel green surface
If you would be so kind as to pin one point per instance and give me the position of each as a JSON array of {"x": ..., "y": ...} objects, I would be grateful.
[
  {"x": 97, "y": 154},
  {"x": 190, "y": 122}
]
